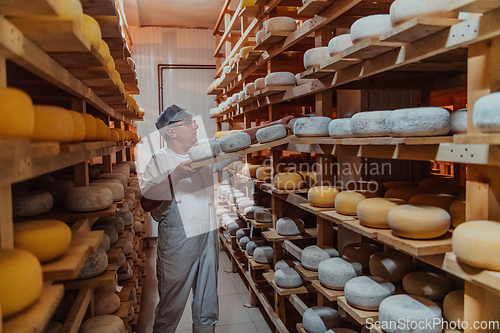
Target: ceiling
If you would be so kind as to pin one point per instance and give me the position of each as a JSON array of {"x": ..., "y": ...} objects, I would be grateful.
[{"x": 174, "y": 13}]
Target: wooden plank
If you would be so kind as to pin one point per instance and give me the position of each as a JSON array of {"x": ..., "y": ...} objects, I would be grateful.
[
  {"x": 67, "y": 266},
  {"x": 314, "y": 210},
  {"x": 481, "y": 138},
  {"x": 335, "y": 217},
  {"x": 307, "y": 275},
  {"x": 106, "y": 279},
  {"x": 36, "y": 7},
  {"x": 227, "y": 30},
  {"x": 273, "y": 236},
  {"x": 417, "y": 28},
  {"x": 369, "y": 48},
  {"x": 124, "y": 310},
  {"x": 474, "y": 6},
  {"x": 64, "y": 215},
  {"x": 417, "y": 247},
  {"x": 293, "y": 249},
  {"x": 314, "y": 7},
  {"x": 225, "y": 8},
  {"x": 363, "y": 317},
  {"x": 77, "y": 312},
  {"x": 330, "y": 294},
  {"x": 92, "y": 239},
  {"x": 270, "y": 39},
  {"x": 304, "y": 289},
  {"x": 258, "y": 266},
  {"x": 300, "y": 328},
  {"x": 356, "y": 226},
  {"x": 316, "y": 73},
  {"x": 298, "y": 304}
]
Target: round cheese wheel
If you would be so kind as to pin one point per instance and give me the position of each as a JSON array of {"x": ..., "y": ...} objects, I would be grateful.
[
  {"x": 404, "y": 10},
  {"x": 90, "y": 127},
  {"x": 120, "y": 177},
  {"x": 108, "y": 230},
  {"x": 106, "y": 302},
  {"x": 338, "y": 44},
  {"x": 103, "y": 324},
  {"x": 242, "y": 95},
  {"x": 103, "y": 133},
  {"x": 457, "y": 212},
  {"x": 271, "y": 133},
  {"x": 373, "y": 212},
  {"x": 288, "y": 181},
  {"x": 88, "y": 199},
  {"x": 95, "y": 265},
  {"x": 21, "y": 280},
  {"x": 312, "y": 256},
  {"x": 121, "y": 261},
  {"x": 367, "y": 292},
  {"x": 370, "y": 26},
  {"x": 235, "y": 225},
  {"x": 92, "y": 31},
  {"x": 312, "y": 127},
  {"x": 458, "y": 122},
  {"x": 332, "y": 252},
  {"x": 287, "y": 278},
  {"x": 260, "y": 83},
  {"x": 319, "y": 319},
  {"x": 263, "y": 254},
  {"x": 46, "y": 239},
  {"x": 232, "y": 197},
  {"x": 105, "y": 244},
  {"x": 389, "y": 185},
  {"x": 31, "y": 203},
  {"x": 78, "y": 126},
  {"x": 453, "y": 306},
  {"x": 17, "y": 112},
  {"x": 250, "y": 211},
  {"x": 104, "y": 51},
  {"x": 334, "y": 273},
  {"x": 259, "y": 36},
  {"x": 475, "y": 243},
  {"x": 263, "y": 216},
  {"x": 390, "y": 265},
  {"x": 235, "y": 142},
  {"x": 340, "y": 128},
  {"x": 70, "y": 10},
  {"x": 127, "y": 248},
  {"x": 126, "y": 215},
  {"x": 440, "y": 200},
  {"x": 425, "y": 121},
  {"x": 310, "y": 177},
  {"x": 280, "y": 79},
  {"x": 114, "y": 135},
  {"x": 250, "y": 89},
  {"x": 418, "y": 311},
  {"x": 427, "y": 284},
  {"x": 367, "y": 124},
  {"x": 243, "y": 232},
  {"x": 404, "y": 193},
  {"x": 244, "y": 204},
  {"x": 205, "y": 149},
  {"x": 289, "y": 226},
  {"x": 263, "y": 173},
  {"x": 221, "y": 211},
  {"x": 250, "y": 170},
  {"x": 115, "y": 187},
  {"x": 486, "y": 113},
  {"x": 253, "y": 244},
  {"x": 52, "y": 123},
  {"x": 316, "y": 56},
  {"x": 241, "y": 198},
  {"x": 322, "y": 196},
  {"x": 243, "y": 241},
  {"x": 360, "y": 252},
  {"x": 286, "y": 263},
  {"x": 346, "y": 202},
  {"x": 281, "y": 24},
  {"x": 418, "y": 222}
]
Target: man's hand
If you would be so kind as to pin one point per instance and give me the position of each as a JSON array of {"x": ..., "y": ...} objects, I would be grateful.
[
  {"x": 284, "y": 121},
  {"x": 182, "y": 171}
]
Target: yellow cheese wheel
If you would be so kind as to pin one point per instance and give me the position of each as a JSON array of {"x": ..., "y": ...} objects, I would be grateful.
[
  {"x": 418, "y": 222},
  {"x": 288, "y": 181},
  {"x": 236, "y": 165},
  {"x": 250, "y": 170},
  {"x": 322, "y": 196},
  {"x": 263, "y": 173},
  {"x": 220, "y": 134},
  {"x": 310, "y": 177},
  {"x": 21, "y": 280},
  {"x": 70, "y": 10},
  {"x": 476, "y": 244},
  {"x": 440, "y": 200},
  {"x": 103, "y": 133},
  {"x": 404, "y": 193},
  {"x": 121, "y": 133},
  {"x": 17, "y": 114},
  {"x": 90, "y": 127},
  {"x": 78, "y": 126},
  {"x": 373, "y": 212},
  {"x": 346, "y": 202},
  {"x": 52, "y": 123},
  {"x": 141, "y": 113},
  {"x": 115, "y": 76},
  {"x": 46, "y": 239},
  {"x": 92, "y": 31},
  {"x": 115, "y": 136},
  {"x": 457, "y": 212},
  {"x": 240, "y": 167},
  {"x": 104, "y": 51}
]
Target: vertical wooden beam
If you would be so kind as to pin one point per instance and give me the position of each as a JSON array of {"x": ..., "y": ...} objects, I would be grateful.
[
  {"x": 277, "y": 209},
  {"x": 478, "y": 80},
  {"x": 345, "y": 237},
  {"x": 6, "y": 222},
  {"x": 81, "y": 174},
  {"x": 247, "y": 125},
  {"x": 3, "y": 72},
  {"x": 219, "y": 126},
  {"x": 106, "y": 164},
  {"x": 228, "y": 44},
  {"x": 78, "y": 105},
  {"x": 325, "y": 232},
  {"x": 280, "y": 308},
  {"x": 480, "y": 306}
]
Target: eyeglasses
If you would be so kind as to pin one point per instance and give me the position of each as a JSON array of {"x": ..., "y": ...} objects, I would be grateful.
[{"x": 188, "y": 122}]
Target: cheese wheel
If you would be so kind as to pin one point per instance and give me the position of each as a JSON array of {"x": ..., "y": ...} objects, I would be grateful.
[
  {"x": 88, "y": 199},
  {"x": 260, "y": 83},
  {"x": 425, "y": 121},
  {"x": 340, "y": 128},
  {"x": 103, "y": 324},
  {"x": 404, "y": 193},
  {"x": 453, "y": 306},
  {"x": 245, "y": 51},
  {"x": 316, "y": 56},
  {"x": 338, "y": 44},
  {"x": 271, "y": 133},
  {"x": 244, "y": 241},
  {"x": 370, "y": 26},
  {"x": 108, "y": 230},
  {"x": 418, "y": 222},
  {"x": 360, "y": 252},
  {"x": 253, "y": 244},
  {"x": 205, "y": 149},
  {"x": 319, "y": 319},
  {"x": 46, "y": 239},
  {"x": 52, "y": 123},
  {"x": 121, "y": 134},
  {"x": 389, "y": 185},
  {"x": 105, "y": 244},
  {"x": 243, "y": 232},
  {"x": 427, "y": 284},
  {"x": 457, "y": 213},
  {"x": 115, "y": 187},
  {"x": 235, "y": 225},
  {"x": 21, "y": 280},
  {"x": 263, "y": 255},
  {"x": 312, "y": 127},
  {"x": 475, "y": 243},
  {"x": 103, "y": 133},
  {"x": 96, "y": 264},
  {"x": 104, "y": 51},
  {"x": 121, "y": 261},
  {"x": 242, "y": 95},
  {"x": 249, "y": 212},
  {"x": 423, "y": 315},
  {"x": 236, "y": 164},
  {"x": 289, "y": 226},
  {"x": 288, "y": 181},
  {"x": 235, "y": 142},
  {"x": 286, "y": 263},
  {"x": 346, "y": 202},
  {"x": 127, "y": 248},
  {"x": 281, "y": 24},
  {"x": 332, "y": 252},
  {"x": 367, "y": 292},
  {"x": 287, "y": 278},
  {"x": 106, "y": 302},
  {"x": 250, "y": 89},
  {"x": 391, "y": 265},
  {"x": 263, "y": 173},
  {"x": 31, "y": 204},
  {"x": 367, "y": 124},
  {"x": 440, "y": 200},
  {"x": 310, "y": 177},
  {"x": 322, "y": 196},
  {"x": 250, "y": 170},
  {"x": 17, "y": 113},
  {"x": 312, "y": 256},
  {"x": 458, "y": 122},
  {"x": 90, "y": 127},
  {"x": 280, "y": 79},
  {"x": 259, "y": 36},
  {"x": 263, "y": 216},
  {"x": 242, "y": 205},
  {"x": 404, "y": 10},
  {"x": 486, "y": 113},
  {"x": 92, "y": 31},
  {"x": 57, "y": 189},
  {"x": 70, "y": 10},
  {"x": 373, "y": 212},
  {"x": 121, "y": 178},
  {"x": 78, "y": 126}
]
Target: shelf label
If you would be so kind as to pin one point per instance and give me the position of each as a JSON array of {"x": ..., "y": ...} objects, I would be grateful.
[{"x": 265, "y": 55}]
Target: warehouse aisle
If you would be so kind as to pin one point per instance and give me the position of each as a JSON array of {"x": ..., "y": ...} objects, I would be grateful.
[{"x": 234, "y": 317}]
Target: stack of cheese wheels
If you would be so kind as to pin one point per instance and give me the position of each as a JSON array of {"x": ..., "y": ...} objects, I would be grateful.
[
  {"x": 427, "y": 284},
  {"x": 453, "y": 306},
  {"x": 263, "y": 173},
  {"x": 418, "y": 222},
  {"x": 312, "y": 256},
  {"x": 404, "y": 193},
  {"x": 17, "y": 112},
  {"x": 320, "y": 319},
  {"x": 367, "y": 124},
  {"x": 250, "y": 170},
  {"x": 290, "y": 226},
  {"x": 373, "y": 212},
  {"x": 334, "y": 273},
  {"x": 457, "y": 212},
  {"x": 391, "y": 265},
  {"x": 235, "y": 142},
  {"x": 31, "y": 203},
  {"x": 263, "y": 255},
  {"x": 370, "y": 26},
  {"x": 312, "y": 127},
  {"x": 322, "y": 196},
  {"x": 367, "y": 292},
  {"x": 88, "y": 199},
  {"x": 260, "y": 83},
  {"x": 338, "y": 44},
  {"x": 340, "y": 128},
  {"x": 280, "y": 79},
  {"x": 458, "y": 122},
  {"x": 485, "y": 116},
  {"x": 280, "y": 24},
  {"x": 52, "y": 123},
  {"x": 346, "y": 202},
  {"x": 360, "y": 252},
  {"x": 288, "y": 181},
  {"x": 103, "y": 324},
  {"x": 405, "y": 10},
  {"x": 425, "y": 121},
  {"x": 287, "y": 278},
  {"x": 440, "y": 200},
  {"x": 316, "y": 56},
  {"x": 271, "y": 133}
]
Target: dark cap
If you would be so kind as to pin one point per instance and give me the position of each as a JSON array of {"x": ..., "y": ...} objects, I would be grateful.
[{"x": 172, "y": 114}]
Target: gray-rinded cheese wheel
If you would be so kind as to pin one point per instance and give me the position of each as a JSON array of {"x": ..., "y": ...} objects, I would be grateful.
[
  {"x": 360, "y": 252},
  {"x": 263, "y": 255},
  {"x": 316, "y": 56},
  {"x": 95, "y": 264},
  {"x": 342, "y": 330},
  {"x": 404, "y": 193},
  {"x": 370, "y": 26},
  {"x": 226, "y": 69},
  {"x": 340, "y": 128},
  {"x": 286, "y": 263},
  {"x": 312, "y": 256},
  {"x": 126, "y": 215},
  {"x": 486, "y": 115},
  {"x": 121, "y": 260},
  {"x": 105, "y": 244},
  {"x": 57, "y": 189},
  {"x": 253, "y": 244},
  {"x": 235, "y": 225},
  {"x": 332, "y": 252},
  {"x": 281, "y": 23},
  {"x": 242, "y": 95},
  {"x": 137, "y": 227},
  {"x": 108, "y": 230},
  {"x": 114, "y": 221},
  {"x": 263, "y": 216},
  {"x": 287, "y": 278},
  {"x": 390, "y": 265},
  {"x": 130, "y": 204},
  {"x": 419, "y": 222},
  {"x": 234, "y": 196},
  {"x": 128, "y": 274},
  {"x": 319, "y": 319},
  {"x": 418, "y": 311},
  {"x": 250, "y": 211},
  {"x": 127, "y": 248},
  {"x": 260, "y": 83},
  {"x": 116, "y": 189},
  {"x": 280, "y": 79},
  {"x": 426, "y": 121},
  {"x": 243, "y": 232},
  {"x": 427, "y": 284},
  {"x": 440, "y": 200},
  {"x": 132, "y": 165},
  {"x": 53, "y": 327},
  {"x": 458, "y": 122},
  {"x": 42, "y": 179},
  {"x": 31, "y": 203},
  {"x": 88, "y": 199},
  {"x": 367, "y": 292},
  {"x": 235, "y": 142},
  {"x": 295, "y": 211},
  {"x": 250, "y": 89},
  {"x": 106, "y": 302},
  {"x": 334, "y": 273},
  {"x": 289, "y": 226},
  {"x": 235, "y": 98},
  {"x": 130, "y": 196},
  {"x": 205, "y": 149},
  {"x": 312, "y": 126},
  {"x": 130, "y": 235},
  {"x": 271, "y": 133},
  {"x": 259, "y": 36},
  {"x": 103, "y": 324},
  {"x": 244, "y": 241},
  {"x": 120, "y": 177},
  {"x": 366, "y": 124},
  {"x": 404, "y": 10},
  {"x": 338, "y": 44},
  {"x": 245, "y": 204},
  {"x": 453, "y": 306}
]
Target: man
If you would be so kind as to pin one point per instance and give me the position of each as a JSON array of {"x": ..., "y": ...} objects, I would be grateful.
[{"x": 181, "y": 200}]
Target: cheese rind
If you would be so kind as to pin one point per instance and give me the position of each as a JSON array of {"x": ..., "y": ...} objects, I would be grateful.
[
  {"x": 88, "y": 199},
  {"x": 235, "y": 142},
  {"x": 425, "y": 121},
  {"x": 260, "y": 83},
  {"x": 31, "y": 203},
  {"x": 340, "y": 128},
  {"x": 418, "y": 222},
  {"x": 486, "y": 113},
  {"x": 95, "y": 264},
  {"x": 288, "y": 181},
  {"x": 458, "y": 122},
  {"x": 391, "y": 265},
  {"x": 250, "y": 170},
  {"x": 404, "y": 10},
  {"x": 106, "y": 302},
  {"x": 453, "y": 306},
  {"x": 367, "y": 292},
  {"x": 339, "y": 43},
  {"x": 319, "y": 319},
  {"x": 360, "y": 252},
  {"x": 263, "y": 173},
  {"x": 346, "y": 202},
  {"x": 263, "y": 216},
  {"x": 312, "y": 127},
  {"x": 287, "y": 278},
  {"x": 373, "y": 212},
  {"x": 271, "y": 133},
  {"x": 370, "y": 26},
  {"x": 289, "y": 226},
  {"x": 103, "y": 324},
  {"x": 250, "y": 89},
  {"x": 334, "y": 273},
  {"x": 115, "y": 187},
  {"x": 367, "y": 124},
  {"x": 263, "y": 254},
  {"x": 427, "y": 284},
  {"x": 92, "y": 31},
  {"x": 17, "y": 112},
  {"x": 322, "y": 196},
  {"x": 281, "y": 24},
  {"x": 78, "y": 126},
  {"x": 316, "y": 56},
  {"x": 52, "y": 123},
  {"x": 280, "y": 79},
  {"x": 312, "y": 256}
]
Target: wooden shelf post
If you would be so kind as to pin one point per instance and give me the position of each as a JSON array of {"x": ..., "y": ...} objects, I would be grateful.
[
  {"x": 6, "y": 224},
  {"x": 3, "y": 72},
  {"x": 81, "y": 174}
]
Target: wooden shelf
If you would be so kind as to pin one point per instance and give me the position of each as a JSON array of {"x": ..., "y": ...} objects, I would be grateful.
[
  {"x": 314, "y": 7},
  {"x": 363, "y": 317},
  {"x": 36, "y": 7},
  {"x": 67, "y": 266},
  {"x": 270, "y": 39},
  {"x": 64, "y": 215},
  {"x": 330, "y": 294},
  {"x": 304, "y": 289},
  {"x": 124, "y": 310},
  {"x": 300, "y": 328},
  {"x": 106, "y": 279},
  {"x": 273, "y": 236},
  {"x": 258, "y": 266},
  {"x": 314, "y": 210},
  {"x": 417, "y": 247},
  {"x": 335, "y": 217},
  {"x": 307, "y": 275},
  {"x": 77, "y": 311},
  {"x": 417, "y": 28},
  {"x": 356, "y": 226},
  {"x": 257, "y": 225}
]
